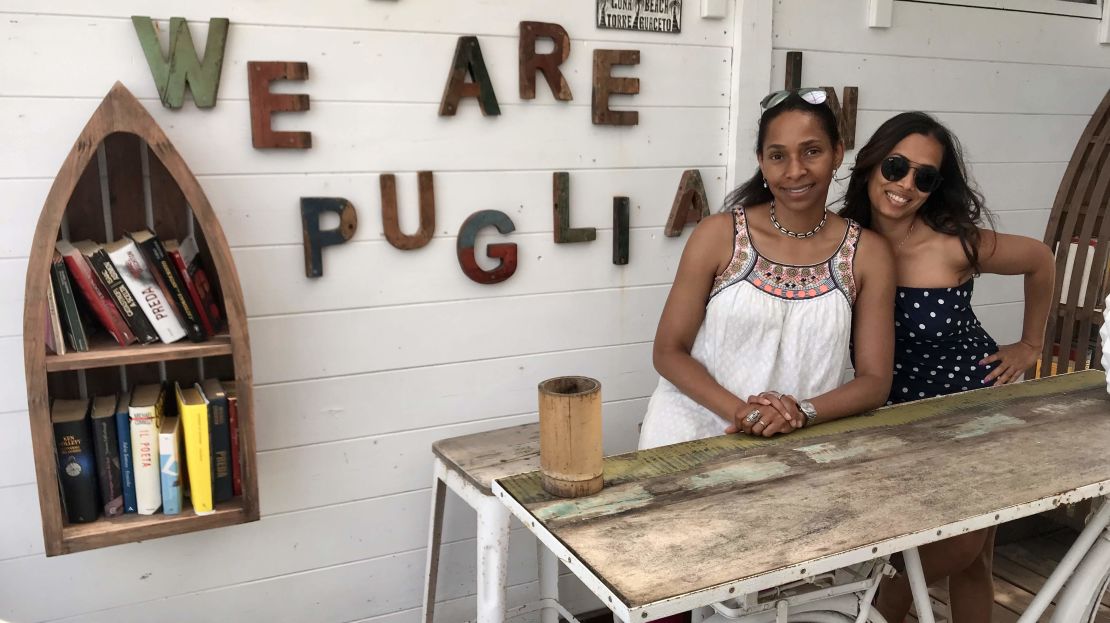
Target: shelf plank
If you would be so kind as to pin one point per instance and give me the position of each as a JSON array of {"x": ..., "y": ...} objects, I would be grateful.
[
  {"x": 130, "y": 528},
  {"x": 106, "y": 352}
]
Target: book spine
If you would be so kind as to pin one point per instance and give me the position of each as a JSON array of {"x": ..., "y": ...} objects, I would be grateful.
[
  {"x": 194, "y": 429},
  {"x": 162, "y": 267},
  {"x": 77, "y": 470},
  {"x": 194, "y": 294},
  {"x": 63, "y": 292},
  {"x": 98, "y": 299},
  {"x": 126, "y": 466},
  {"x": 135, "y": 272},
  {"x": 233, "y": 432},
  {"x": 169, "y": 454},
  {"x": 106, "y": 447},
  {"x": 55, "y": 341},
  {"x": 125, "y": 302},
  {"x": 148, "y": 481},
  {"x": 221, "y": 450}
]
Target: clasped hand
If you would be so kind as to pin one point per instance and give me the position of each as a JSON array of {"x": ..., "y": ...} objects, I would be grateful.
[{"x": 767, "y": 414}]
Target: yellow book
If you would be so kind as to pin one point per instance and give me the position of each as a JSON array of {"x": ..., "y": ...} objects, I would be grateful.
[{"x": 192, "y": 408}]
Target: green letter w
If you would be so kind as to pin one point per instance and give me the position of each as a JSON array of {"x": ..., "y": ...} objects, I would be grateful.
[{"x": 183, "y": 66}]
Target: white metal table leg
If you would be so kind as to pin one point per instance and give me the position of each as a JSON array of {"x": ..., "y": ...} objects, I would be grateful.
[
  {"x": 493, "y": 543},
  {"x": 435, "y": 538},
  {"x": 918, "y": 587},
  {"x": 549, "y": 583}
]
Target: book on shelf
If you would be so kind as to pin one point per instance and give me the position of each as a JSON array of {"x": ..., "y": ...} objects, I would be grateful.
[
  {"x": 73, "y": 324},
  {"x": 55, "y": 341},
  {"x": 106, "y": 448},
  {"x": 98, "y": 299},
  {"x": 186, "y": 257},
  {"x": 154, "y": 302},
  {"x": 76, "y": 459},
  {"x": 233, "y": 432},
  {"x": 192, "y": 408},
  {"x": 169, "y": 451},
  {"x": 219, "y": 439},
  {"x": 126, "y": 461},
  {"x": 123, "y": 298},
  {"x": 166, "y": 274},
  {"x": 146, "y": 418}
]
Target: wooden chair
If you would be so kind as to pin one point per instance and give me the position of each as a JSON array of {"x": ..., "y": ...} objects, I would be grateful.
[{"x": 1079, "y": 235}]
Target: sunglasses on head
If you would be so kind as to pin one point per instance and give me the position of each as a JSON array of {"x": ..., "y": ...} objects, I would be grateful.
[
  {"x": 926, "y": 179},
  {"x": 812, "y": 96}
]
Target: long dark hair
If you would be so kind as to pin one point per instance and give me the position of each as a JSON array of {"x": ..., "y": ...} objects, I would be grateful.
[
  {"x": 955, "y": 208},
  {"x": 754, "y": 191}
]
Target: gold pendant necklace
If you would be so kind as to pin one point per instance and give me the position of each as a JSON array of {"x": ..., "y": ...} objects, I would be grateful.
[{"x": 907, "y": 236}]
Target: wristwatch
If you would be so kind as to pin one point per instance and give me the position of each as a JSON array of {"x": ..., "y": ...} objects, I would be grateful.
[{"x": 809, "y": 410}]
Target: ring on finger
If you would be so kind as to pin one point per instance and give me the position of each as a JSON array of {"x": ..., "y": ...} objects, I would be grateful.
[{"x": 753, "y": 417}]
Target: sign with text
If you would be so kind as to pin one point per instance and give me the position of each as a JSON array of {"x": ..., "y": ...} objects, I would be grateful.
[{"x": 645, "y": 15}]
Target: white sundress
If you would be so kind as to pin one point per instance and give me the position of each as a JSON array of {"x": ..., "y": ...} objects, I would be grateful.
[{"x": 768, "y": 326}]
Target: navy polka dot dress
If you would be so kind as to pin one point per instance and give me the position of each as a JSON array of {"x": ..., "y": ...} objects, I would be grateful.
[{"x": 938, "y": 343}]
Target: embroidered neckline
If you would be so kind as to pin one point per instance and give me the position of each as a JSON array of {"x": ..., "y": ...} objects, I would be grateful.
[{"x": 790, "y": 281}]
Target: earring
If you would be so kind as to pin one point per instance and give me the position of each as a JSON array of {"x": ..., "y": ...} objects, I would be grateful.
[{"x": 765, "y": 183}]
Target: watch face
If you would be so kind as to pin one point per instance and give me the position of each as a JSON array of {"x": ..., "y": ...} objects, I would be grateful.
[{"x": 808, "y": 409}]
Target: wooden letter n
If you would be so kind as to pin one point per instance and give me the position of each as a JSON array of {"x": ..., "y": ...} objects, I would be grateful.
[{"x": 845, "y": 112}]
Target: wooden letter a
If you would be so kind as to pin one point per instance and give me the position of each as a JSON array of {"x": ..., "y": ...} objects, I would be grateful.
[
  {"x": 690, "y": 204},
  {"x": 468, "y": 60},
  {"x": 172, "y": 74}
]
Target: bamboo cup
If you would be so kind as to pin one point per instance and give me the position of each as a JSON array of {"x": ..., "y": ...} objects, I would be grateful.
[{"x": 570, "y": 436}]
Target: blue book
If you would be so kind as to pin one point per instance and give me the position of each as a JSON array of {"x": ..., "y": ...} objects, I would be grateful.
[
  {"x": 126, "y": 467},
  {"x": 219, "y": 436},
  {"x": 169, "y": 462}
]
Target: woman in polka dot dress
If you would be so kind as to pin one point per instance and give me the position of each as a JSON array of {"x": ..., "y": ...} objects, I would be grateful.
[
  {"x": 941, "y": 347},
  {"x": 909, "y": 185}
]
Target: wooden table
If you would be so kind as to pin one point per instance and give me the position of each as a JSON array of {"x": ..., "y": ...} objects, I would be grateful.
[{"x": 696, "y": 523}]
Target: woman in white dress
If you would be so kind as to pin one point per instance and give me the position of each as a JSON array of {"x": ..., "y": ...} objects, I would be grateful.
[{"x": 771, "y": 293}]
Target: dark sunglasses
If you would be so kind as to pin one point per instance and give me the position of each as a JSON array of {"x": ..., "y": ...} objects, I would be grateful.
[
  {"x": 927, "y": 178},
  {"x": 812, "y": 96}
]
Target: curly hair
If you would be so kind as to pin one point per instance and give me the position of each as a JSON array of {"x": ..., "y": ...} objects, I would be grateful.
[
  {"x": 955, "y": 208},
  {"x": 754, "y": 191}
]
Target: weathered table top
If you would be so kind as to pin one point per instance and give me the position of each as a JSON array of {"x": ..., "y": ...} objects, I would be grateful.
[
  {"x": 711, "y": 513},
  {"x": 484, "y": 457}
]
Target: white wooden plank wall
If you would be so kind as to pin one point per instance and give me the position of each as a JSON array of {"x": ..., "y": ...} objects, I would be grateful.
[
  {"x": 360, "y": 371},
  {"x": 1016, "y": 88}
]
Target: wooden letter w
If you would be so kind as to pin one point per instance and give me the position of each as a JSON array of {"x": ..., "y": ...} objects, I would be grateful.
[{"x": 183, "y": 66}]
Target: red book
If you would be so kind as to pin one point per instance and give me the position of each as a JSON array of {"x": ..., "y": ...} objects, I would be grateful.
[
  {"x": 186, "y": 257},
  {"x": 99, "y": 300},
  {"x": 233, "y": 428}
]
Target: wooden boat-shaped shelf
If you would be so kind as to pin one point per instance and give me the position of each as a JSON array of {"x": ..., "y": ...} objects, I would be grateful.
[{"x": 124, "y": 175}]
